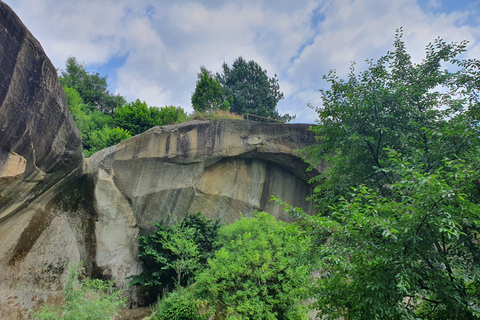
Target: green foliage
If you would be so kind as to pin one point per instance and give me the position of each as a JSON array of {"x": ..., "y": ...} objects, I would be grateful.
[
  {"x": 413, "y": 255},
  {"x": 411, "y": 108},
  {"x": 137, "y": 117},
  {"x": 89, "y": 299},
  {"x": 92, "y": 87},
  {"x": 181, "y": 306},
  {"x": 175, "y": 253},
  {"x": 104, "y": 138},
  {"x": 102, "y": 118},
  {"x": 257, "y": 273},
  {"x": 208, "y": 95},
  {"x": 398, "y": 228},
  {"x": 248, "y": 89}
]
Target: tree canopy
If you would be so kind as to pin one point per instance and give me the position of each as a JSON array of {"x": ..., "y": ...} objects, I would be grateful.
[
  {"x": 105, "y": 119},
  {"x": 397, "y": 234},
  {"x": 257, "y": 273},
  {"x": 92, "y": 88},
  {"x": 208, "y": 95},
  {"x": 248, "y": 89}
]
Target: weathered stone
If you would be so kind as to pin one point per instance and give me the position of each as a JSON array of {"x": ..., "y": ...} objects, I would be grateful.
[
  {"x": 40, "y": 153},
  {"x": 51, "y": 216},
  {"x": 39, "y": 143},
  {"x": 222, "y": 168}
]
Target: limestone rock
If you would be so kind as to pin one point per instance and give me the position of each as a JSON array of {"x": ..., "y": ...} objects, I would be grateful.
[
  {"x": 39, "y": 143},
  {"x": 222, "y": 168},
  {"x": 52, "y": 216},
  {"x": 40, "y": 154}
]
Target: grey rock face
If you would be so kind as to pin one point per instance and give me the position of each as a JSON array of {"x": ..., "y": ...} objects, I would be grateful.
[
  {"x": 53, "y": 215},
  {"x": 38, "y": 139},
  {"x": 40, "y": 151},
  {"x": 222, "y": 168}
]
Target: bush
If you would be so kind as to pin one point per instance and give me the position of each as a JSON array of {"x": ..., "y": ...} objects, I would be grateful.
[
  {"x": 91, "y": 299},
  {"x": 162, "y": 258},
  {"x": 137, "y": 117},
  {"x": 257, "y": 274},
  {"x": 181, "y": 306}
]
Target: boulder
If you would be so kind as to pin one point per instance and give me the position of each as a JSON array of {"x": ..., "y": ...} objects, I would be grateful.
[
  {"x": 40, "y": 154},
  {"x": 39, "y": 143},
  {"x": 223, "y": 168},
  {"x": 57, "y": 209}
]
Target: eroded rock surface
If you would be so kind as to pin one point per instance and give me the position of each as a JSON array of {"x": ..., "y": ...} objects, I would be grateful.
[
  {"x": 222, "y": 168},
  {"x": 39, "y": 143},
  {"x": 40, "y": 152},
  {"x": 52, "y": 215}
]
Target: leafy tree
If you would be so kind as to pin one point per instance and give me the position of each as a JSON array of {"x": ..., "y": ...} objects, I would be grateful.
[
  {"x": 208, "y": 95},
  {"x": 397, "y": 233},
  {"x": 394, "y": 103},
  {"x": 104, "y": 138},
  {"x": 412, "y": 255},
  {"x": 92, "y": 87},
  {"x": 248, "y": 89},
  {"x": 137, "y": 117},
  {"x": 175, "y": 253},
  {"x": 257, "y": 273},
  {"x": 87, "y": 299}
]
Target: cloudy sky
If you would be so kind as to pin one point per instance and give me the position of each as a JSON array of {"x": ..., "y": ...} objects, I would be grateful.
[{"x": 153, "y": 50}]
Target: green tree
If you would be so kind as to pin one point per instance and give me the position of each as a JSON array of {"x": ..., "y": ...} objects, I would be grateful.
[
  {"x": 181, "y": 243},
  {"x": 394, "y": 103},
  {"x": 137, "y": 117},
  {"x": 208, "y": 95},
  {"x": 412, "y": 255},
  {"x": 257, "y": 273},
  {"x": 92, "y": 87},
  {"x": 104, "y": 138},
  {"x": 163, "y": 258},
  {"x": 91, "y": 299},
  {"x": 397, "y": 233},
  {"x": 248, "y": 89}
]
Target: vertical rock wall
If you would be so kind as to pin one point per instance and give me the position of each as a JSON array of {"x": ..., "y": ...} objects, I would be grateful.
[{"x": 40, "y": 153}]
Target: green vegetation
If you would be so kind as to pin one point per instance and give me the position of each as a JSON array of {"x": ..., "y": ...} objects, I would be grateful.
[
  {"x": 398, "y": 226},
  {"x": 208, "y": 95},
  {"x": 175, "y": 253},
  {"x": 91, "y": 299},
  {"x": 184, "y": 305},
  {"x": 258, "y": 272},
  {"x": 242, "y": 89},
  {"x": 92, "y": 88},
  {"x": 251, "y": 269},
  {"x": 105, "y": 119},
  {"x": 137, "y": 117}
]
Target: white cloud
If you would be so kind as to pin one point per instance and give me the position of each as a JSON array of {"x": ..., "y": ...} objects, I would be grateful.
[{"x": 166, "y": 42}]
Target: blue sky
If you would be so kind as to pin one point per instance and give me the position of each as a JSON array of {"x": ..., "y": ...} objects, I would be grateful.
[{"x": 152, "y": 50}]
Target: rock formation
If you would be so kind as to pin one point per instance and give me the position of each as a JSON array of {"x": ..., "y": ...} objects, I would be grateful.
[
  {"x": 53, "y": 213},
  {"x": 39, "y": 148},
  {"x": 222, "y": 168}
]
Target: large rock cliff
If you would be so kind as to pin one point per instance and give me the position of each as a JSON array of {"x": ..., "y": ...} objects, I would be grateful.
[
  {"x": 222, "y": 168},
  {"x": 57, "y": 209},
  {"x": 40, "y": 152}
]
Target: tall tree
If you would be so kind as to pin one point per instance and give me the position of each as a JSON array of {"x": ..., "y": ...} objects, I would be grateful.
[
  {"x": 398, "y": 229},
  {"x": 248, "y": 89},
  {"x": 208, "y": 95},
  {"x": 394, "y": 103},
  {"x": 92, "y": 87}
]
